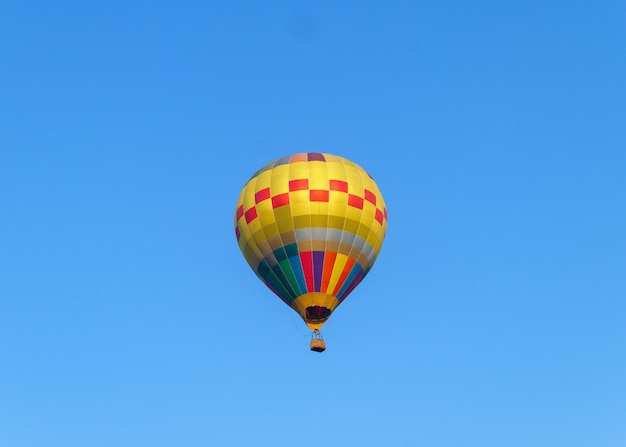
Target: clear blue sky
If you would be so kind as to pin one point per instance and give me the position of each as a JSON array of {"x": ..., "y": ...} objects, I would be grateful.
[{"x": 496, "y": 132}]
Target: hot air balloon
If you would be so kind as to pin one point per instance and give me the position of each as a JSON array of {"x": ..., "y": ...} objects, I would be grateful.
[{"x": 311, "y": 226}]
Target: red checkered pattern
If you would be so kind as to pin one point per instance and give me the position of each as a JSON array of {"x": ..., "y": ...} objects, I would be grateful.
[
  {"x": 262, "y": 195},
  {"x": 315, "y": 195},
  {"x": 299, "y": 185},
  {"x": 338, "y": 185},
  {"x": 280, "y": 200},
  {"x": 318, "y": 195}
]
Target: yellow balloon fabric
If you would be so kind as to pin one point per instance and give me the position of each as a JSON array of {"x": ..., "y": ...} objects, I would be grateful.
[{"x": 311, "y": 226}]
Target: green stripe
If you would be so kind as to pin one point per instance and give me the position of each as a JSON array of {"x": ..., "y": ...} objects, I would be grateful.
[
  {"x": 275, "y": 281},
  {"x": 285, "y": 266}
]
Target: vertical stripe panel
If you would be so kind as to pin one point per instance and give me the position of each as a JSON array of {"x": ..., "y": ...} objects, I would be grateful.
[
  {"x": 329, "y": 262},
  {"x": 296, "y": 268},
  {"x": 282, "y": 283},
  {"x": 307, "y": 267},
  {"x": 356, "y": 268},
  {"x": 318, "y": 269},
  {"x": 290, "y": 278},
  {"x": 338, "y": 265},
  {"x": 344, "y": 274},
  {"x": 355, "y": 277}
]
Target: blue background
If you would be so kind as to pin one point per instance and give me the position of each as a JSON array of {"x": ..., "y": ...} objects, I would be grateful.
[{"x": 495, "y": 314}]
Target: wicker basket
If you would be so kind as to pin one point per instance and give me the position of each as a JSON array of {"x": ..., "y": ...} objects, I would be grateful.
[{"x": 318, "y": 345}]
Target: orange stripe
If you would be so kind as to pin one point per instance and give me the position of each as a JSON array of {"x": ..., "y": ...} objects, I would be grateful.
[
  {"x": 329, "y": 262},
  {"x": 346, "y": 271},
  {"x": 299, "y": 157}
]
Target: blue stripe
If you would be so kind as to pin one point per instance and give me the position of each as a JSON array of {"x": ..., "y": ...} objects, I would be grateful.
[
  {"x": 296, "y": 266},
  {"x": 355, "y": 270}
]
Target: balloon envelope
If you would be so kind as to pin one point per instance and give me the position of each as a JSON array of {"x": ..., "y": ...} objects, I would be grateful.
[{"x": 311, "y": 226}]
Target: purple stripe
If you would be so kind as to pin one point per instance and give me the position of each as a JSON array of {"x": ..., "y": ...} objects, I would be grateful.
[
  {"x": 355, "y": 282},
  {"x": 275, "y": 290},
  {"x": 315, "y": 156},
  {"x": 318, "y": 268}
]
